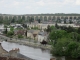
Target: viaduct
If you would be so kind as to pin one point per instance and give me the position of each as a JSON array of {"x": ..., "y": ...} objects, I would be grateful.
[{"x": 43, "y": 17}]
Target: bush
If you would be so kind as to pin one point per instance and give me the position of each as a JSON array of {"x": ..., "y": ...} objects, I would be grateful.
[
  {"x": 66, "y": 47},
  {"x": 20, "y": 36},
  {"x": 10, "y": 33}
]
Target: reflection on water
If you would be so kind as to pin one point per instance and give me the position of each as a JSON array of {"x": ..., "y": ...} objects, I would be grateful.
[
  {"x": 35, "y": 53},
  {"x": 31, "y": 52}
]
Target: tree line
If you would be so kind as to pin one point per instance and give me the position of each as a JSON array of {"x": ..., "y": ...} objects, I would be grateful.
[{"x": 65, "y": 41}]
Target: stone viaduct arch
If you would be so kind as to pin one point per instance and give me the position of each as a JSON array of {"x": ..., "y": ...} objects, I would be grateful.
[{"x": 44, "y": 17}]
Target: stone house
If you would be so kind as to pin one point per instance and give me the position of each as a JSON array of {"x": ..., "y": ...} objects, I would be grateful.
[
  {"x": 33, "y": 34},
  {"x": 42, "y": 36}
]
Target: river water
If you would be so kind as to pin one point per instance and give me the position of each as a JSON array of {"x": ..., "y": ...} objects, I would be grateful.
[{"x": 34, "y": 53}]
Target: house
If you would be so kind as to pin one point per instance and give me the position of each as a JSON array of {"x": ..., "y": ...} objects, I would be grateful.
[
  {"x": 42, "y": 36},
  {"x": 19, "y": 32},
  {"x": 18, "y": 27},
  {"x": 32, "y": 25},
  {"x": 33, "y": 34}
]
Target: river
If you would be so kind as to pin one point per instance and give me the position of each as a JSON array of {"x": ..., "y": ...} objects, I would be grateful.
[{"x": 34, "y": 53}]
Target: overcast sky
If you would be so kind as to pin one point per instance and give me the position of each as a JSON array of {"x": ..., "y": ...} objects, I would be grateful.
[{"x": 39, "y": 6}]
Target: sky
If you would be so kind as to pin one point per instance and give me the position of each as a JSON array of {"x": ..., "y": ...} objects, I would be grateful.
[{"x": 39, "y": 6}]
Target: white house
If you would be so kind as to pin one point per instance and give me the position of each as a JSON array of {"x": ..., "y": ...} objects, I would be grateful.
[
  {"x": 30, "y": 33},
  {"x": 42, "y": 36}
]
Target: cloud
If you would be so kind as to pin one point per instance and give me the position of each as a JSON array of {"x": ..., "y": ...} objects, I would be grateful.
[
  {"x": 77, "y": 2},
  {"x": 38, "y": 5},
  {"x": 41, "y": 3},
  {"x": 28, "y": 7}
]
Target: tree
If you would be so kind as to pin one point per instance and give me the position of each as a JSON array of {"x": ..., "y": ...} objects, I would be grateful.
[
  {"x": 23, "y": 17},
  {"x": 66, "y": 47},
  {"x": 72, "y": 46},
  {"x": 11, "y": 28},
  {"x": 6, "y": 21},
  {"x": 36, "y": 28},
  {"x": 64, "y": 21},
  {"x": 57, "y": 34},
  {"x": 26, "y": 33},
  {"x": 48, "y": 29},
  {"x": 44, "y": 42},
  {"x": 78, "y": 38},
  {"x": 20, "y": 36},
  {"x": 13, "y": 20},
  {"x": 70, "y": 21},
  {"x": 70, "y": 29},
  {"x": 39, "y": 21},
  {"x": 56, "y": 25},
  {"x": 30, "y": 19},
  {"x": 24, "y": 25},
  {"x": 60, "y": 47},
  {"x": 5, "y": 31},
  {"x": 1, "y": 19},
  {"x": 10, "y": 33},
  {"x": 52, "y": 28},
  {"x": 78, "y": 31}
]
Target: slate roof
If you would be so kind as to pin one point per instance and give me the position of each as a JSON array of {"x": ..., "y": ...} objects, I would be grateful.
[{"x": 42, "y": 33}]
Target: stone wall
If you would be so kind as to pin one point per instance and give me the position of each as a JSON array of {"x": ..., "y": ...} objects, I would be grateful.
[{"x": 10, "y": 58}]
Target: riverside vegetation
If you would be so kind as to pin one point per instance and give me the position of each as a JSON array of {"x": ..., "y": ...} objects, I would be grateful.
[{"x": 65, "y": 41}]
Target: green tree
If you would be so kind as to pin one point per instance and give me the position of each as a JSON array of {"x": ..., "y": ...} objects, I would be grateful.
[
  {"x": 70, "y": 29},
  {"x": 56, "y": 25},
  {"x": 57, "y": 34},
  {"x": 66, "y": 47},
  {"x": 24, "y": 25},
  {"x": 10, "y": 33},
  {"x": 72, "y": 46},
  {"x": 5, "y": 31},
  {"x": 60, "y": 47},
  {"x": 20, "y": 36},
  {"x": 6, "y": 21},
  {"x": 70, "y": 21},
  {"x": 31, "y": 19},
  {"x": 1, "y": 19},
  {"x": 48, "y": 29},
  {"x": 39, "y": 21},
  {"x": 78, "y": 30},
  {"x": 13, "y": 20},
  {"x": 26, "y": 33}
]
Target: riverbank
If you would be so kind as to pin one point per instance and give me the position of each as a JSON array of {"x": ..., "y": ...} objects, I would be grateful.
[
  {"x": 33, "y": 53},
  {"x": 25, "y": 42},
  {"x": 31, "y": 44}
]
